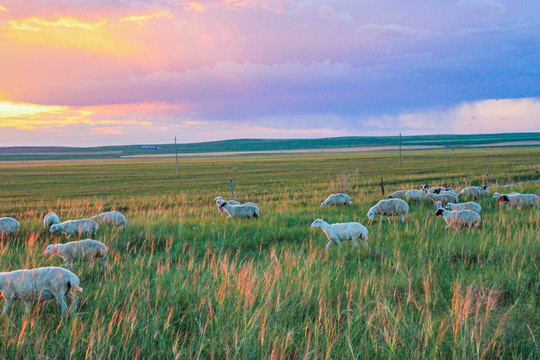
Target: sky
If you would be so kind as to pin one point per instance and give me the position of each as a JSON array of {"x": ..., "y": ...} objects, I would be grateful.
[{"x": 108, "y": 72}]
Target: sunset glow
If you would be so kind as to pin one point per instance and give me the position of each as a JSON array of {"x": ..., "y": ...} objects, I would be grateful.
[{"x": 138, "y": 72}]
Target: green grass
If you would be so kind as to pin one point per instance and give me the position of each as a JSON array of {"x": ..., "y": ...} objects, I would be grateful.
[{"x": 184, "y": 282}]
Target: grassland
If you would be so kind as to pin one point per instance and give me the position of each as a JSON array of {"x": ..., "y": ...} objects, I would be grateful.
[{"x": 185, "y": 283}]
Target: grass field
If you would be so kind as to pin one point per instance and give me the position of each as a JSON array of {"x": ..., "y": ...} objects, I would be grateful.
[{"x": 183, "y": 282}]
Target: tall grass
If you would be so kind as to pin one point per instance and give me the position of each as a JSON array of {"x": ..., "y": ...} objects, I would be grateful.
[{"x": 183, "y": 282}]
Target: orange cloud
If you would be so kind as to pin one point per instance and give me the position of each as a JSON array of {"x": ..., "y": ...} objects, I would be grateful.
[
  {"x": 141, "y": 19},
  {"x": 3, "y": 8},
  {"x": 32, "y": 116},
  {"x": 68, "y": 32}
]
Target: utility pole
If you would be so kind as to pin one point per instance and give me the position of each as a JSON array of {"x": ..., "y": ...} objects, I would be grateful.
[
  {"x": 176, "y": 153},
  {"x": 400, "y": 148}
]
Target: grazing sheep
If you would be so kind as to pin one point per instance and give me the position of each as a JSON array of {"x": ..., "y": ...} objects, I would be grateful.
[
  {"x": 50, "y": 219},
  {"x": 458, "y": 219},
  {"x": 219, "y": 200},
  {"x": 415, "y": 195},
  {"x": 343, "y": 231},
  {"x": 520, "y": 200},
  {"x": 473, "y": 191},
  {"x": 389, "y": 207},
  {"x": 8, "y": 227},
  {"x": 87, "y": 250},
  {"x": 399, "y": 194},
  {"x": 240, "y": 211},
  {"x": 337, "y": 199},
  {"x": 39, "y": 284},
  {"x": 497, "y": 195},
  {"x": 445, "y": 198},
  {"x": 471, "y": 205},
  {"x": 111, "y": 218},
  {"x": 80, "y": 227}
]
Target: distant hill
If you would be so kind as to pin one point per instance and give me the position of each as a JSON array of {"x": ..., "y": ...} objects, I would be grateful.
[{"x": 251, "y": 145}]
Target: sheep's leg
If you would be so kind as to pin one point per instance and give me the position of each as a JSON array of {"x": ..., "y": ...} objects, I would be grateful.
[
  {"x": 382, "y": 217},
  {"x": 328, "y": 244},
  {"x": 338, "y": 242},
  {"x": 402, "y": 217},
  {"x": 447, "y": 226},
  {"x": 62, "y": 303},
  {"x": 355, "y": 241},
  {"x": 388, "y": 218},
  {"x": 103, "y": 261},
  {"x": 27, "y": 306},
  {"x": 6, "y": 307}
]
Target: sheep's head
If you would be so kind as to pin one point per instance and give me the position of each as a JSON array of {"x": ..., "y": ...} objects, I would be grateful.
[
  {"x": 48, "y": 250},
  {"x": 496, "y": 195},
  {"x": 503, "y": 199},
  {"x": 424, "y": 187},
  {"x": 323, "y": 204},
  {"x": 439, "y": 211},
  {"x": 317, "y": 223},
  {"x": 390, "y": 196},
  {"x": 449, "y": 206},
  {"x": 55, "y": 229},
  {"x": 371, "y": 214}
]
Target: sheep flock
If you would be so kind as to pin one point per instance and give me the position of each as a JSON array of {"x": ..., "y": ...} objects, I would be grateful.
[{"x": 55, "y": 283}]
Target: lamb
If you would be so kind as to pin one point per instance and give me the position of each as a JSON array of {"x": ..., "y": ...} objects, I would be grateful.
[
  {"x": 50, "y": 219},
  {"x": 520, "y": 200},
  {"x": 337, "y": 199},
  {"x": 389, "y": 207},
  {"x": 87, "y": 250},
  {"x": 8, "y": 227},
  {"x": 471, "y": 205},
  {"x": 343, "y": 231},
  {"x": 445, "y": 198},
  {"x": 39, "y": 284},
  {"x": 415, "y": 195},
  {"x": 473, "y": 191},
  {"x": 240, "y": 211},
  {"x": 458, "y": 219},
  {"x": 398, "y": 194},
  {"x": 111, "y": 218},
  {"x": 219, "y": 200},
  {"x": 84, "y": 226}
]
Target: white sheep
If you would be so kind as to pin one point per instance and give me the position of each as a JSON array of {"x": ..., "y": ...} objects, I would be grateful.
[
  {"x": 415, "y": 195},
  {"x": 444, "y": 198},
  {"x": 449, "y": 192},
  {"x": 343, "y": 231},
  {"x": 398, "y": 194},
  {"x": 474, "y": 191},
  {"x": 389, "y": 207},
  {"x": 471, "y": 205},
  {"x": 240, "y": 211},
  {"x": 79, "y": 227},
  {"x": 219, "y": 200},
  {"x": 50, "y": 219},
  {"x": 520, "y": 200},
  {"x": 87, "y": 250},
  {"x": 337, "y": 199},
  {"x": 39, "y": 284},
  {"x": 8, "y": 227},
  {"x": 458, "y": 219},
  {"x": 111, "y": 218}
]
